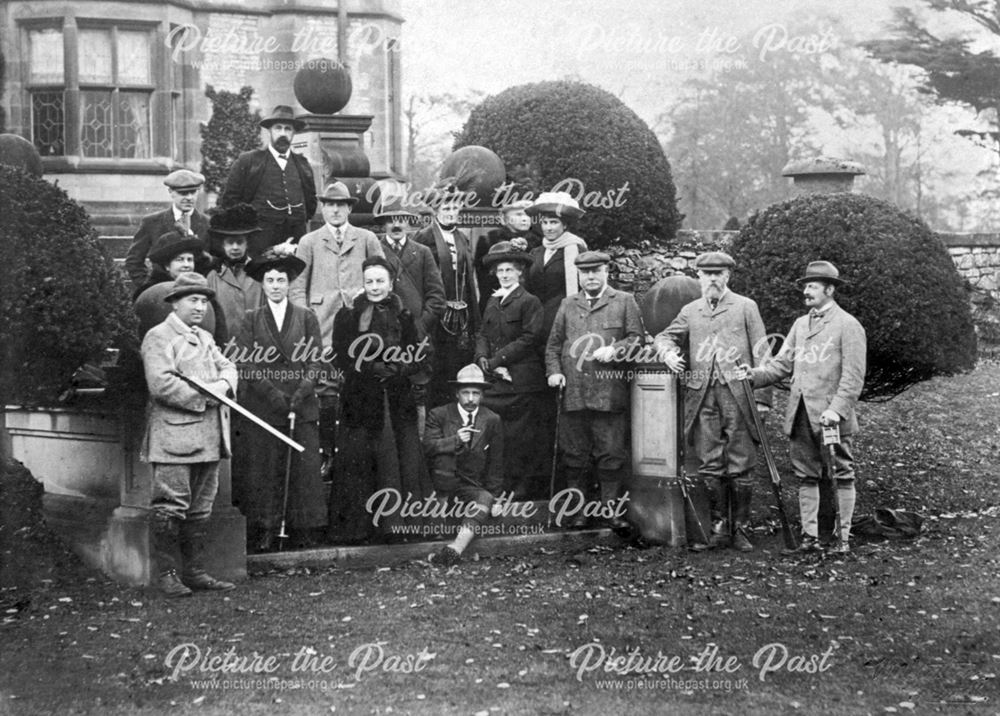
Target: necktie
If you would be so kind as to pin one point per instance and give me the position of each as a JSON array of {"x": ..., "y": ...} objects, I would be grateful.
[
  {"x": 468, "y": 420},
  {"x": 397, "y": 246},
  {"x": 186, "y": 221},
  {"x": 814, "y": 316},
  {"x": 338, "y": 234},
  {"x": 592, "y": 300},
  {"x": 713, "y": 302},
  {"x": 283, "y": 156}
]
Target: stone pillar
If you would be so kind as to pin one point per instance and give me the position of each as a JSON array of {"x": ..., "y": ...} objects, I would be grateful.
[{"x": 822, "y": 175}]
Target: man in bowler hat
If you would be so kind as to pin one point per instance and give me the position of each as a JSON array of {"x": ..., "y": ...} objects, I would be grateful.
[
  {"x": 187, "y": 434},
  {"x": 825, "y": 355},
  {"x": 276, "y": 182}
]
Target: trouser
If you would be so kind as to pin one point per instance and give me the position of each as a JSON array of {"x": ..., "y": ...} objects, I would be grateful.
[
  {"x": 185, "y": 490},
  {"x": 809, "y": 456},
  {"x": 720, "y": 435}
]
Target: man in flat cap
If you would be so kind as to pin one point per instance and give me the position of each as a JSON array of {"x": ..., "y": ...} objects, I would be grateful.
[
  {"x": 183, "y": 186},
  {"x": 276, "y": 182},
  {"x": 718, "y": 332},
  {"x": 187, "y": 434},
  {"x": 329, "y": 281},
  {"x": 591, "y": 336},
  {"x": 825, "y": 355}
]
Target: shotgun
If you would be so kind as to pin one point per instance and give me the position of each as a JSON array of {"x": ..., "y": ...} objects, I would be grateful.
[{"x": 786, "y": 530}]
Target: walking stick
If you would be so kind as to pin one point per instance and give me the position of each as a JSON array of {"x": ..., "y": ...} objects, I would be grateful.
[
  {"x": 831, "y": 438},
  {"x": 555, "y": 457},
  {"x": 282, "y": 536},
  {"x": 688, "y": 502},
  {"x": 786, "y": 530}
]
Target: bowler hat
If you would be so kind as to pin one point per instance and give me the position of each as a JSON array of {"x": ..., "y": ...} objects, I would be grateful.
[
  {"x": 337, "y": 191},
  {"x": 591, "y": 259},
  {"x": 714, "y": 261},
  {"x": 187, "y": 283},
  {"x": 182, "y": 179},
  {"x": 237, "y": 220},
  {"x": 558, "y": 203},
  {"x": 283, "y": 113},
  {"x": 270, "y": 260},
  {"x": 172, "y": 243},
  {"x": 391, "y": 210},
  {"x": 503, "y": 251},
  {"x": 822, "y": 271},
  {"x": 471, "y": 375}
]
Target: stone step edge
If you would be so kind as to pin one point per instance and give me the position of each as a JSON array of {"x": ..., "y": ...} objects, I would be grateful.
[{"x": 385, "y": 555}]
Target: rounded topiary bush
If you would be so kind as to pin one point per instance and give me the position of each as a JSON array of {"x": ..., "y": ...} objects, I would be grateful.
[
  {"x": 549, "y": 132},
  {"x": 902, "y": 284},
  {"x": 62, "y": 301}
]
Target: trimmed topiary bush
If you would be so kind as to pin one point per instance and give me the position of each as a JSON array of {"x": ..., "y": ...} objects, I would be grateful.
[
  {"x": 548, "y": 132},
  {"x": 231, "y": 130},
  {"x": 903, "y": 285},
  {"x": 62, "y": 301}
]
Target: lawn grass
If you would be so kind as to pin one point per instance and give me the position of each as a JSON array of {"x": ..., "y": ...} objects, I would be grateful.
[{"x": 910, "y": 626}]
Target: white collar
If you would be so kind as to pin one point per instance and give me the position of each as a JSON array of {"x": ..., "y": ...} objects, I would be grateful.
[
  {"x": 502, "y": 293},
  {"x": 462, "y": 412},
  {"x": 277, "y": 155},
  {"x": 278, "y": 310},
  {"x": 588, "y": 296}
]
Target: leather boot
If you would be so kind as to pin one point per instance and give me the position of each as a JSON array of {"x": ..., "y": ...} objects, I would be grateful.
[
  {"x": 193, "y": 533},
  {"x": 718, "y": 496},
  {"x": 164, "y": 534},
  {"x": 576, "y": 478},
  {"x": 742, "y": 495},
  {"x": 610, "y": 492}
]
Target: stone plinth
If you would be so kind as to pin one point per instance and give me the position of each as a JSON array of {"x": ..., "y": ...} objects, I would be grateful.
[
  {"x": 335, "y": 145},
  {"x": 822, "y": 175}
]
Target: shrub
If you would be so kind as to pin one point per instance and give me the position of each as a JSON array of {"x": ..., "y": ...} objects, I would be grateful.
[
  {"x": 903, "y": 285},
  {"x": 62, "y": 301},
  {"x": 547, "y": 132},
  {"x": 231, "y": 130}
]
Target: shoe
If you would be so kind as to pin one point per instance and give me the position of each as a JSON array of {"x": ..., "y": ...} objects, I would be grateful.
[
  {"x": 720, "y": 537},
  {"x": 807, "y": 545},
  {"x": 172, "y": 587},
  {"x": 699, "y": 546},
  {"x": 840, "y": 548},
  {"x": 203, "y": 581},
  {"x": 740, "y": 541},
  {"x": 446, "y": 557}
]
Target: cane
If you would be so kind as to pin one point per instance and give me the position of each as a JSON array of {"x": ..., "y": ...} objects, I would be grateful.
[
  {"x": 555, "y": 456},
  {"x": 831, "y": 438},
  {"x": 288, "y": 472}
]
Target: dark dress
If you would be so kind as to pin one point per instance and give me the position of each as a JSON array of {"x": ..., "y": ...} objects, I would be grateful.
[
  {"x": 267, "y": 387},
  {"x": 377, "y": 347},
  {"x": 510, "y": 337}
]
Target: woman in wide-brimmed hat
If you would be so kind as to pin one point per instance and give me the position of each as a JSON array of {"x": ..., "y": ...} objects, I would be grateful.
[
  {"x": 552, "y": 275},
  {"x": 509, "y": 350},
  {"x": 378, "y": 347}
]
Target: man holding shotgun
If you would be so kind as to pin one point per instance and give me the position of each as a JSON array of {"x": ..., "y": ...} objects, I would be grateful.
[
  {"x": 187, "y": 434},
  {"x": 824, "y": 354}
]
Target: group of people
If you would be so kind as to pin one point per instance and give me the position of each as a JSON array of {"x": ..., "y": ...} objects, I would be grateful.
[{"x": 420, "y": 363}]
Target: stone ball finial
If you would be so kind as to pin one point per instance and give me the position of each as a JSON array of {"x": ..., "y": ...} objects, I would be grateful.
[{"x": 323, "y": 86}]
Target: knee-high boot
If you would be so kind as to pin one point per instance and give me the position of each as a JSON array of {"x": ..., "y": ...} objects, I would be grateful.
[
  {"x": 193, "y": 534},
  {"x": 163, "y": 531},
  {"x": 718, "y": 500},
  {"x": 576, "y": 479},
  {"x": 742, "y": 495},
  {"x": 611, "y": 482}
]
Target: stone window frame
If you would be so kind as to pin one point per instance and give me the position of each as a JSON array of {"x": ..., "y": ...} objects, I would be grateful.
[{"x": 159, "y": 105}]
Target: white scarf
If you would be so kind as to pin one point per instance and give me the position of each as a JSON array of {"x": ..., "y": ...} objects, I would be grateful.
[{"x": 571, "y": 244}]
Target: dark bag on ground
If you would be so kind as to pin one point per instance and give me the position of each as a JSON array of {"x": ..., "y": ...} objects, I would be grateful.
[{"x": 887, "y": 523}]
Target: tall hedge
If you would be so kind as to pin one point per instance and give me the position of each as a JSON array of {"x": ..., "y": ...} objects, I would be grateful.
[
  {"x": 550, "y": 131},
  {"x": 62, "y": 301},
  {"x": 231, "y": 130},
  {"x": 903, "y": 285}
]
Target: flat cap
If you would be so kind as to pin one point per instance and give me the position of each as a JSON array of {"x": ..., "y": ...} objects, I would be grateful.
[
  {"x": 590, "y": 259},
  {"x": 714, "y": 261},
  {"x": 184, "y": 179}
]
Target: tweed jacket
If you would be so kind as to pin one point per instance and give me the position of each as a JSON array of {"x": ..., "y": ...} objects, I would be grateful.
[
  {"x": 235, "y": 293},
  {"x": 716, "y": 341},
  {"x": 465, "y": 282},
  {"x": 332, "y": 276},
  {"x": 827, "y": 364},
  {"x": 248, "y": 170},
  {"x": 577, "y": 331},
  {"x": 454, "y": 464},
  {"x": 511, "y": 337},
  {"x": 418, "y": 282},
  {"x": 286, "y": 360},
  {"x": 152, "y": 227},
  {"x": 181, "y": 426}
]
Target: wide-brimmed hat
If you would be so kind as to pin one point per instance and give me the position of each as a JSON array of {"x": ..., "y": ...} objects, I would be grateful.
[
  {"x": 714, "y": 261},
  {"x": 471, "y": 375},
  {"x": 172, "y": 243},
  {"x": 270, "y": 260},
  {"x": 504, "y": 251},
  {"x": 182, "y": 179},
  {"x": 393, "y": 209},
  {"x": 187, "y": 283},
  {"x": 337, "y": 191},
  {"x": 590, "y": 259},
  {"x": 557, "y": 203},
  {"x": 522, "y": 204},
  {"x": 283, "y": 113},
  {"x": 822, "y": 271},
  {"x": 237, "y": 220}
]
